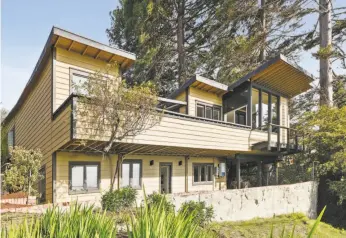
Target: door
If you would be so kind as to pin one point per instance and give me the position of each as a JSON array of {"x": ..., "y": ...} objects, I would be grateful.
[{"x": 166, "y": 178}]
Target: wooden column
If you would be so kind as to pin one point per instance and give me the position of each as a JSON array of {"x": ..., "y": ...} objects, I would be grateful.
[
  {"x": 259, "y": 173},
  {"x": 276, "y": 173},
  {"x": 120, "y": 157},
  {"x": 238, "y": 173},
  {"x": 187, "y": 174}
]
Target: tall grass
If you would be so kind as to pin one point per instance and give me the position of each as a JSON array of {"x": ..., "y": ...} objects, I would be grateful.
[{"x": 78, "y": 221}]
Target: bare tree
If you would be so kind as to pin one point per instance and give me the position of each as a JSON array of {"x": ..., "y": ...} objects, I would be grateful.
[{"x": 111, "y": 111}]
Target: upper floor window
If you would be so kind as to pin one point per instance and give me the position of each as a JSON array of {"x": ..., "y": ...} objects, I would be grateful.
[
  {"x": 78, "y": 80},
  {"x": 208, "y": 111},
  {"x": 10, "y": 138}
]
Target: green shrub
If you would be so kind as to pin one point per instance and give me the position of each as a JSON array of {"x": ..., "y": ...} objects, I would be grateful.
[
  {"x": 157, "y": 199},
  {"x": 203, "y": 214},
  {"x": 79, "y": 221},
  {"x": 119, "y": 200},
  {"x": 156, "y": 221}
]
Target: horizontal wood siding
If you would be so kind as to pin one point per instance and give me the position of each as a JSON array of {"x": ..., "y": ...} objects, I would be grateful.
[
  {"x": 202, "y": 96},
  {"x": 150, "y": 175},
  {"x": 173, "y": 131},
  {"x": 34, "y": 127},
  {"x": 284, "y": 118},
  {"x": 66, "y": 60}
]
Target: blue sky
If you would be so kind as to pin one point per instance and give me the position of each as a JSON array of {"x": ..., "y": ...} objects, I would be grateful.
[{"x": 25, "y": 26}]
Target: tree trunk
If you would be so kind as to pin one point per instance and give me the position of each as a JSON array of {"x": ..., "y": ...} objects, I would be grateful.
[
  {"x": 117, "y": 169},
  {"x": 180, "y": 42},
  {"x": 326, "y": 78},
  {"x": 262, "y": 55}
]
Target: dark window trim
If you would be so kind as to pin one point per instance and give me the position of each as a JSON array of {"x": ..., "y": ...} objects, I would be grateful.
[
  {"x": 270, "y": 94},
  {"x": 205, "y": 104},
  {"x": 204, "y": 182},
  {"x": 170, "y": 178},
  {"x": 131, "y": 162},
  {"x": 84, "y": 163}
]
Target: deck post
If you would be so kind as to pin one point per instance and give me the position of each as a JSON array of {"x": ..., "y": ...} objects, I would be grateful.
[
  {"x": 276, "y": 172},
  {"x": 269, "y": 136},
  {"x": 259, "y": 173},
  {"x": 238, "y": 173},
  {"x": 187, "y": 173}
]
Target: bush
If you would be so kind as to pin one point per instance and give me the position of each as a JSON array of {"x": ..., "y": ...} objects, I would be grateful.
[
  {"x": 203, "y": 214},
  {"x": 156, "y": 221},
  {"x": 156, "y": 199},
  {"x": 119, "y": 200}
]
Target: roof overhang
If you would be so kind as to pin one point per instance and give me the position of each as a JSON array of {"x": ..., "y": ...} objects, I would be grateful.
[
  {"x": 72, "y": 42},
  {"x": 279, "y": 75},
  {"x": 203, "y": 84},
  {"x": 82, "y": 45}
]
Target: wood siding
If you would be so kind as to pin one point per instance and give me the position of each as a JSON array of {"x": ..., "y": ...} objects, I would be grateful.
[
  {"x": 284, "y": 118},
  {"x": 150, "y": 175},
  {"x": 66, "y": 60},
  {"x": 34, "y": 127},
  {"x": 196, "y": 95}
]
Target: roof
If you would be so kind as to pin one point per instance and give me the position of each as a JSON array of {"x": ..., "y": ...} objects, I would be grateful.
[
  {"x": 202, "y": 83},
  {"x": 73, "y": 42},
  {"x": 279, "y": 75}
]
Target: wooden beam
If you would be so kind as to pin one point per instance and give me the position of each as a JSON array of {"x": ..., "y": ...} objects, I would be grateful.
[
  {"x": 161, "y": 99},
  {"x": 98, "y": 54},
  {"x": 110, "y": 59},
  {"x": 56, "y": 43},
  {"x": 85, "y": 50},
  {"x": 69, "y": 48}
]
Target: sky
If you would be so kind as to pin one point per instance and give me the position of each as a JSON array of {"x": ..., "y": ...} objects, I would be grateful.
[{"x": 25, "y": 26}]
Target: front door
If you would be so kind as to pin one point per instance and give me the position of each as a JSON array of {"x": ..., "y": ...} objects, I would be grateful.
[{"x": 165, "y": 178}]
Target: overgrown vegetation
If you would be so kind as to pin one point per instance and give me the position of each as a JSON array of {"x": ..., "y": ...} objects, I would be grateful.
[
  {"x": 22, "y": 172},
  {"x": 119, "y": 200},
  {"x": 157, "y": 199},
  {"x": 203, "y": 214}
]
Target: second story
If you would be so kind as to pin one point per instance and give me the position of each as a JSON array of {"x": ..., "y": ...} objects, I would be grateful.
[{"x": 202, "y": 116}]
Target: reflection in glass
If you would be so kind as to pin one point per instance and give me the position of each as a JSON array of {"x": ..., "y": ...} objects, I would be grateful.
[
  {"x": 265, "y": 108},
  {"x": 255, "y": 108},
  {"x": 91, "y": 176}
]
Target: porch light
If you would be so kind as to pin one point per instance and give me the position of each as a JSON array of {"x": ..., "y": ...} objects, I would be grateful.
[
  {"x": 151, "y": 163},
  {"x": 180, "y": 163}
]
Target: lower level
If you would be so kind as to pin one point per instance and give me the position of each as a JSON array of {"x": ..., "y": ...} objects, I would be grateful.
[{"x": 85, "y": 177}]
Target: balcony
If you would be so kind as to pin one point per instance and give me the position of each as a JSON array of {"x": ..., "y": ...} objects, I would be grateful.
[{"x": 175, "y": 134}]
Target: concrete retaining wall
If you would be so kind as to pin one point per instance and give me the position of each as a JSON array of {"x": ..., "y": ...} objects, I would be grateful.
[{"x": 245, "y": 204}]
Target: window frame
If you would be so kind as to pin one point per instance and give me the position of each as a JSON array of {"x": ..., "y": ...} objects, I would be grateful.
[
  {"x": 77, "y": 72},
  {"x": 85, "y": 188},
  {"x": 270, "y": 95},
  {"x": 131, "y": 162},
  {"x": 206, "y": 182},
  {"x": 13, "y": 137},
  {"x": 212, "y": 106}
]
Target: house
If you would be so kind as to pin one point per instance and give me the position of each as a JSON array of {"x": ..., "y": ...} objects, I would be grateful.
[{"x": 208, "y": 131}]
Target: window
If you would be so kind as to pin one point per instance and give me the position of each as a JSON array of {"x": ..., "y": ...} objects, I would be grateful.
[
  {"x": 255, "y": 108},
  {"x": 235, "y": 104},
  {"x": 208, "y": 111},
  {"x": 10, "y": 138},
  {"x": 203, "y": 173},
  {"x": 84, "y": 177},
  {"x": 131, "y": 174},
  {"x": 265, "y": 108}
]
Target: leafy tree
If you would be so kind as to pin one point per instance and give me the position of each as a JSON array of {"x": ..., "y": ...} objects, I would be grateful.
[
  {"x": 22, "y": 172},
  {"x": 113, "y": 111},
  {"x": 4, "y": 113},
  {"x": 325, "y": 133}
]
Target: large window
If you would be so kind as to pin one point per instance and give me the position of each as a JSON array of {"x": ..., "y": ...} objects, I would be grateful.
[
  {"x": 84, "y": 177},
  {"x": 202, "y": 173},
  {"x": 255, "y": 108},
  {"x": 265, "y": 108},
  {"x": 208, "y": 111},
  {"x": 236, "y": 105},
  {"x": 131, "y": 174}
]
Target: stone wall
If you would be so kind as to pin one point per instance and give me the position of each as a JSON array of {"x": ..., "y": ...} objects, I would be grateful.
[{"x": 248, "y": 203}]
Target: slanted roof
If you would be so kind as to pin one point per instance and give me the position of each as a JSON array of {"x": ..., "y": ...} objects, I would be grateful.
[
  {"x": 279, "y": 75},
  {"x": 202, "y": 83},
  {"x": 76, "y": 43}
]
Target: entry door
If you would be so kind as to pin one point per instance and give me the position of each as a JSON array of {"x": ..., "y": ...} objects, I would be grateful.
[{"x": 165, "y": 178}]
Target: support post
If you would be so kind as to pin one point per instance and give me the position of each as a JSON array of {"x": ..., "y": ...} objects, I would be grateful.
[
  {"x": 120, "y": 157},
  {"x": 238, "y": 174},
  {"x": 187, "y": 174},
  {"x": 276, "y": 173},
  {"x": 259, "y": 173},
  {"x": 249, "y": 106},
  {"x": 269, "y": 136}
]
